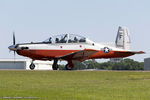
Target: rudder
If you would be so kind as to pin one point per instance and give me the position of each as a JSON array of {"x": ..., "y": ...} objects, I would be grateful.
[{"x": 123, "y": 38}]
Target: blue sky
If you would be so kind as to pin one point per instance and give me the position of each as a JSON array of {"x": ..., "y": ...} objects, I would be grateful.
[{"x": 36, "y": 20}]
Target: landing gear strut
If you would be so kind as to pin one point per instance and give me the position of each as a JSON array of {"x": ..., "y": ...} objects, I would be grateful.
[
  {"x": 32, "y": 65},
  {"x": 55, "y": 65}
]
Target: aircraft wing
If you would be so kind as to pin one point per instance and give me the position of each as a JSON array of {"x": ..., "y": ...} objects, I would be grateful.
[
  {"x": 130, "y": 52},
  {"x": 79, "y": 55},
  {"x": 137, "y": 52}
]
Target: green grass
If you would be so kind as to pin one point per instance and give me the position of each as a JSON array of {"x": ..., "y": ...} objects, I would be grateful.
[{"x": 75, "y": 85}]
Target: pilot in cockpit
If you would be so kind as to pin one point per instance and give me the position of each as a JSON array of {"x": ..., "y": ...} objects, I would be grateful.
[
  {"x": 63, "y": 40},
  {"x": 50, "y": 40},
  {"x": 57, "y": 40},
  {"x": 75, "y": 39}
]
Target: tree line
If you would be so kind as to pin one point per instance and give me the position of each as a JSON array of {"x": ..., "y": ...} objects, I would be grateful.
[{"x": 126, "y": 64}]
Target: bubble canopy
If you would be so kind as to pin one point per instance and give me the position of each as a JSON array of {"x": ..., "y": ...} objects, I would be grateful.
[{"x": 66, "y": 38}]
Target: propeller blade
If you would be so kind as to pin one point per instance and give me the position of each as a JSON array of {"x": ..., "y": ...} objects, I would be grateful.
[
  {"x": 14, "y": 43},
  {"x": 14, "y": 40}
]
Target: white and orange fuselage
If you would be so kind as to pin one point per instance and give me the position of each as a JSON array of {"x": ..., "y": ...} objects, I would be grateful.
[{"x": 47, "y": 51}]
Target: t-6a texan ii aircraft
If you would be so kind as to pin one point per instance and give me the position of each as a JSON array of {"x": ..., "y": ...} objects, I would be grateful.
[{"x": 71, "y": 47}]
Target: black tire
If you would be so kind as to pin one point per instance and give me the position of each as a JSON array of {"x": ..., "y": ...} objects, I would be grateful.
[
  {"x": 55, "y": 67},
  {"x": 32, "y": 66},
  {"x": 67, "y": 67}
]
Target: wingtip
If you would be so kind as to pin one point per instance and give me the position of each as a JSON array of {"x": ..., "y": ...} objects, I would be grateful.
[{"x": 141, "y": 52}]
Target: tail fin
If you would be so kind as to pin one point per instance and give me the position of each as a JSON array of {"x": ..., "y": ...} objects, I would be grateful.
[{"x": 123, "y": 38}]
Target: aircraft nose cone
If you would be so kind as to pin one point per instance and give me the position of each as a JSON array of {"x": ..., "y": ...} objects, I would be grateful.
[{"x": 12, "y": 47}]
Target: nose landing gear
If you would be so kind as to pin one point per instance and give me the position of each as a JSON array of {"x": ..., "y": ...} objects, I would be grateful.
[{"x": 32, "y": 65}]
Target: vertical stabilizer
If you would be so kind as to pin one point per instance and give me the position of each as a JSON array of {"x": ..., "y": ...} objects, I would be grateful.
[{"x": 123, "y": 38}]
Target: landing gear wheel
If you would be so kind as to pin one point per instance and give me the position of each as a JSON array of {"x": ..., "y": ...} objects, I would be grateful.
[
  {"x": 67, "y": 67},
  {"x": 32, "y": 66},
  {"x": 55, "y": 65}
]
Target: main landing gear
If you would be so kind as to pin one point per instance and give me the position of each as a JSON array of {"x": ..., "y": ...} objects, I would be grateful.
[
  {"x": 55, "y": 65},
  {"x": 32, "y": 65},
  {"x": 68, "y": 66}
]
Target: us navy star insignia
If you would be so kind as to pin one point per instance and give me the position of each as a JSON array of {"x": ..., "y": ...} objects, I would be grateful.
[{"x": 106, "y": 50}]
